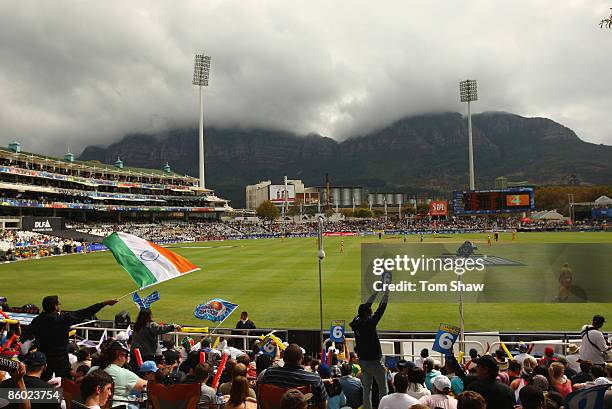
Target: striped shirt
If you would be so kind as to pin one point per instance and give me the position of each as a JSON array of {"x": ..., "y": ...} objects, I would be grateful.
[{"x": 294, "y": 376}]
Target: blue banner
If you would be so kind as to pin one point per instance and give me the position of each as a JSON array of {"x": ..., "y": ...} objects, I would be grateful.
[
  {"x": 588, "y": 398},
  {"x": 445, "y": 339},
  {"x": 215, "y": 310}
]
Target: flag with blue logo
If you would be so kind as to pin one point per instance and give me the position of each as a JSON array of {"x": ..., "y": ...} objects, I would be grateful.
[
  {"x": 145, "y": 303},
  {"x": 215, "y": 310}
]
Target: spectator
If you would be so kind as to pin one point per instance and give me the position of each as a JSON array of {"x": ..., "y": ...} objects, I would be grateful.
[
  {"x": 293, "y": 375},
  {"x": 451, "y": 366},
  {"x": 335, "y": 397},
  {"x": 514, "y": 370},
  {"x": 351, "y": 386},
  {"x": 523, "y": 353},
  {"x": 558, "y": 379},
  {"x": 585, "y": 373},
  {"x": 294, "y": 399},
  {"x": 147, "y": 371},
  {"x": 145, "y": 336},
  {"x": 496, "y": 394},
  {"x": 238, "y": 396},
  {"x": 35, "y": 365},
  {"x": 420, "y": 360},
  {"x": 262, "y": 363},
  {"x": 400, "y": 399},
  {"x": 430, "y": 372},
  {"x": 440, "y": 395},
  {"x": 500, "y": 357},
  {"x": 114, "y": 356},
  {"x": 354, "y": 361},
  {"x": 548, "y": 358},
  {"x": 531, "y": 398},
  {"x": 96, "y": 388},
  {"x": 368, "y": 347},
  {"x": 594, "y": 344},
  {"x": 201, "y": 374},
  {"x": 245, "y": 322},
  {"x": 471, "y": 400},
  {"x": 83, "y": 358},
  {"x": 239, "y": 370},
  {"x": 416, "y": 385},
  {"x": 573, "y": 357},
  {"x": 569, "y": 372},
  {"x": 471, "y": 364},
  {"x": 50, "y": 329},
  {"x": 529, "y": 364}
]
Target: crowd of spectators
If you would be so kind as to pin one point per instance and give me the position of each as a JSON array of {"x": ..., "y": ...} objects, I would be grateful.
[{"x": 19, "y": 245}]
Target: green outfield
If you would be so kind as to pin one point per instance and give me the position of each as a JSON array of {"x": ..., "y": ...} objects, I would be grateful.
[{"x": 277, "y": 282}]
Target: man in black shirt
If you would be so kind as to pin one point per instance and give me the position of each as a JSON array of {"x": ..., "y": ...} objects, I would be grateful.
[
  {"x": 367, "y": 346},
  {"x": 35, "y": 363},
  {"x": 50, "y": 330},
  {"x": 497, "y": 394}
]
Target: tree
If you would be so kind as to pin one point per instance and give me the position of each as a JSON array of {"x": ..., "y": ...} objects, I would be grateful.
[
  {"x": 267, "y": 211},
  {"x": 363, "y": 213},
  {"x": 294, "y": 209},
  {"x": 606, "y": 22}
]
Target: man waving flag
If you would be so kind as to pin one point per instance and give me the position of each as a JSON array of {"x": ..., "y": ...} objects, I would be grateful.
[{"x": 147, "y": 263}]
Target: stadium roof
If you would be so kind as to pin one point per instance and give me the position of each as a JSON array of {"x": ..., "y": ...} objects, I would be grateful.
[
  {"x": 130, "y": 171},
  {"x": 603, "y": 201}
]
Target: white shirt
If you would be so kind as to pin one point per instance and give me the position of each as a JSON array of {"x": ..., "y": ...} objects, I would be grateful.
[
  {"x": 588, "y": 351},
  {"x": 397, "y": 401},
  {"x": 572, "y": 361},
  {"x": 521, "y": 357},
  {"x": 439, "y": 401}
]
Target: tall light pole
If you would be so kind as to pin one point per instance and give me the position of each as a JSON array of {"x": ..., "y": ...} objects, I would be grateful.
[
  {"x": 321, "y": 256},
  {"x": 469, "y": 93},
  {"x": 201, "y": 72}
]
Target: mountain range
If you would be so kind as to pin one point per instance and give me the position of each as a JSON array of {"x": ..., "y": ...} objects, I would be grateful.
[{"x": 420, "y": 154}]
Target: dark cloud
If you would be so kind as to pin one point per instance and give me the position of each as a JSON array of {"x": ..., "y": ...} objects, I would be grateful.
[{"x": 74, "y": 73}]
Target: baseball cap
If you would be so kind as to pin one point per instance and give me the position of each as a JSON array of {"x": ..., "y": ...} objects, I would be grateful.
[
  {"x": 148, "y": 366},
  {"x": 602, "y": 380},
  {"x": 118, "y": 346},
  {"x": 36, "y": 359},
  {"x": 441, "y": 383},
  {"x": 523, "y": 348},
  {"x": 403, "y": 364},
  {"x": 549, "y": 351},
  {"x": 293, "y": 398}
]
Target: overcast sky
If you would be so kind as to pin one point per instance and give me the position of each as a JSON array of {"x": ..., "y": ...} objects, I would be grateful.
[{"x": 75, "y": 73}]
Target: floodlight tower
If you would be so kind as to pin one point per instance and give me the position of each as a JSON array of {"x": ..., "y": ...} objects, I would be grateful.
[
  {"x": 469, "y": 93},
  {"x": 201, "y": 72}
]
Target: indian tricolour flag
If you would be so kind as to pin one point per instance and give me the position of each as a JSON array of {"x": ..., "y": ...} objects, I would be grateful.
[{"x": 147, "y": 263}]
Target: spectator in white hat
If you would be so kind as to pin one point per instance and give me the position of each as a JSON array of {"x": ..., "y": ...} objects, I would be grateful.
[{"x": 440, "y": 394}]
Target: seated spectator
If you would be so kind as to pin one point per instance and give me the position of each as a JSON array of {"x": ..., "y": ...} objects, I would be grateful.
[
  {"x": 147, "y": 370},
  {"x": 294, "y": 399},
  {"x": 531, "y": 398},
  {"x": 80, "y": 373},
  {"x": 96, "y": 389},
  {"x": 35, "y": 365},
  {"x": 471, "y": 400},
  {"x": 496, "y": 394},
  {"x": 83, "y": 358},
  {"x": 400, "y": 399},
  {"x": 440, "y": 395},
  {"x": 514, "y": 370},
  {"x": 262, "y": 363},
  {"x": 351, "y": 386},
  {"x": 114, "y": 356},
  {"x": 471, "y": 364},
  {"x": 572, "y": 357},
  {"x": 201, "y": 374},
  {"x": 548, "y": 358},
  {"x": 239, "y": 370},
  {"x": 238, "y": 396},
  {"x": 293, "y": 375},
  {"x": 529, "y": 365},
  {"x": 335, "y": 397},
  {"x": 419, "y": 362},
  {"x": 416, "y": 384},
  {"x": 450, "y": 367},
  {"x": 523, "y": 353},
  {"x": 430, "y": 372},
  {"x": 500, "y": 357},
  {"x": 558, "y": 379}
]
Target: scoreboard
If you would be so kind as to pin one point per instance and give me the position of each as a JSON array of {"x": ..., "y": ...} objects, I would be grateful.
[{"x": 513, "y": 200}]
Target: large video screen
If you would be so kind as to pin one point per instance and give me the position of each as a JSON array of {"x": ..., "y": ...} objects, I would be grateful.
[
  {"x": 493, "y": 201},
  {"x": 277, "y": 193}
]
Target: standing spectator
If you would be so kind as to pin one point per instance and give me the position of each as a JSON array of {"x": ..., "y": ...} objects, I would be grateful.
[
  {"x": 336, "y": 398},
  {"x": 50, "y": 330},
  {"x": 351, "y": 386},
  {"x": 419, "y": 361},
  {"x": 585, "y": 373},
  {"x": 416, "y": 386},
  {"x": 548, "y": 358},
  {"x": 594, "y": 344},
  {"x": 471, "y": 364},
  {"x": 471, "y": 400},
  {"x": 96, "y": 388},
  {"x": 523, "y": 353},
  {"x": 145, "y": 337},
  {"x": 245, "y": 322},
  {"x": 496, "y": 394},
  {"x": 440, "y": 395},
  {"x": 400, "y": 399},
  {"x": 291, "y": 374},
  {"x": 368, "y": 348},
  {"x": 573, "y": 356}
]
